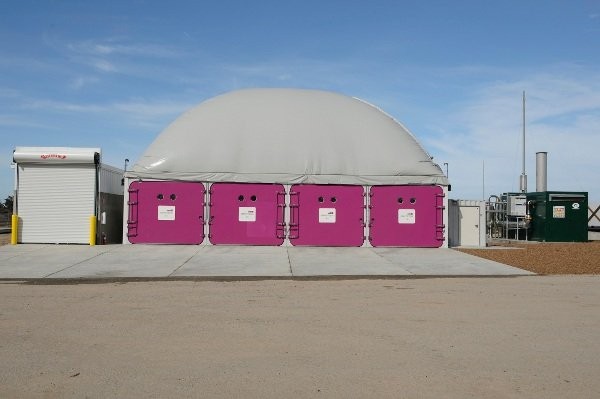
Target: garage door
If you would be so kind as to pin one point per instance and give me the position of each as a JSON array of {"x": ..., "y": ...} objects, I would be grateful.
[
  {"x": 327, "y": 215},
  {"x": 406, "y": 216},
  {"x": 55, "y": 203},
  {"x": 246, "y": 214},
  {"x": 165, "y": 212}
]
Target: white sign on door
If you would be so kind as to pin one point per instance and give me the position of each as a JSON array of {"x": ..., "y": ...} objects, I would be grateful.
[
  {"x": 406, "y": 216},
  {"x": 558, "y": 212},
  {"x": 326, "y": 215},
  {"x": 247, "y": 214},
  {"x": 166, "y": 212}
]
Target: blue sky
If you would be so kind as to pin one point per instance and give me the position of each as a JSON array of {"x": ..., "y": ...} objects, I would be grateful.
[{"x": 115, "y": 74}]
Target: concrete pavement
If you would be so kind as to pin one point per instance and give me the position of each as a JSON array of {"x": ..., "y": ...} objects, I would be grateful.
[{"x": 38, "y": 261}]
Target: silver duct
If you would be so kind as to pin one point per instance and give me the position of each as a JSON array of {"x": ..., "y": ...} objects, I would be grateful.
[{"x": 541, "y": 171}]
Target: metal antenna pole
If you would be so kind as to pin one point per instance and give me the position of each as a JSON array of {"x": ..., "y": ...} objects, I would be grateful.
[
  {"x": 483, "y": 180},
  {"x": 523, "y": 181},
  {"x": 524, "y": 134}
]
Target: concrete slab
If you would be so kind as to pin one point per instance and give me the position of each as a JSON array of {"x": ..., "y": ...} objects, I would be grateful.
[
  {"x": 38, "y": 261},
  {"x": 10, "y": 251},
  {"x": 132, "y": 261},
  {"x": 443, "y": 262},
  {"x": 237, "y": 261},
  {"x": 311, "y": 261},
  {"x": 163, "y": 261}
]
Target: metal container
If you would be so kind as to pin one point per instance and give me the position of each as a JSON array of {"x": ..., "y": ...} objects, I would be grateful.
[
  {"x": 165, "y": 212},
  {"x": 246, "y": 214},
  {"x": 327, "y": 215},
  {"x": 406, "y": 216},
  {"x": 558, "y": 216}
]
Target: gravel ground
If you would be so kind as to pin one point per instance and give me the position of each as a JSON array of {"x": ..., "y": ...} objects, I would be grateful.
[{"x": 545, "y": 258}]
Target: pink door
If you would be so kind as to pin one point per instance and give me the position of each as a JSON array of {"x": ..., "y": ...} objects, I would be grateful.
[
  {"x": 166, "y": 212},
  {"x": 247, "y": 214},
  {"x": 327, "y": 215},
  {"x": 406, "y": 216}
]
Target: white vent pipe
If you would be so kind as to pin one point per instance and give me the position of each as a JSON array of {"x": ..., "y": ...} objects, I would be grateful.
[{"x": 541, "y": 171}]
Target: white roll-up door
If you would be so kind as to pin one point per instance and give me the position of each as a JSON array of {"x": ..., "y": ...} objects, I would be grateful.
[{"x": 55, "y": 202}]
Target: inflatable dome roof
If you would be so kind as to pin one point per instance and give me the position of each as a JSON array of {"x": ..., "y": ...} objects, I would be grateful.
[{"x": 287, "y": 136}]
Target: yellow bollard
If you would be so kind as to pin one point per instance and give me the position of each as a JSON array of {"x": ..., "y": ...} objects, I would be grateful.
[
  {"x": 92, "y": 230},
  {"x": 14, "y": 229}
]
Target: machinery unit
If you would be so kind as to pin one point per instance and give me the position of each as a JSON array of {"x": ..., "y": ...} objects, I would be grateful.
[
  {"x": 517, "y": 205},
  {"x": 558, "y": 216},
  {"x": 507, "y": 216}
]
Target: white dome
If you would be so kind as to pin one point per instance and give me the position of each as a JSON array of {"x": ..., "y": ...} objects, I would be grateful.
[{"x": 287, "y": 136}]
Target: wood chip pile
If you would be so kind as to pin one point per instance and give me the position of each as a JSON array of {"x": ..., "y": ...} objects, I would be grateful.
[{"x": 546, "y": 258}]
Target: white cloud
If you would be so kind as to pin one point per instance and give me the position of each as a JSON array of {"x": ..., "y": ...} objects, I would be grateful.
[
  {"x": 103, "y": 65},
  {"x": 9, "y": 93},
  {"x": 144, "y": 109},
  {"x": 81, "y": 81},
  {"x": 60, "y": 106},
  {"x": 114, "y": 54},
  {"x": 117, "y": 47},
  {"x": 562, "y": 118},
  {"x": 138, "y": 112},
  {"x": 16, "y": 121}
]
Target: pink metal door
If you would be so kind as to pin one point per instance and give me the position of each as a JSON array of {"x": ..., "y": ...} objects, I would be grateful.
[
  {"x": 406, "y": 216},
  {"x": 327, "y": 215},
  {"x": 246, "y": 214},
  {"x": 166, "y": 212}
]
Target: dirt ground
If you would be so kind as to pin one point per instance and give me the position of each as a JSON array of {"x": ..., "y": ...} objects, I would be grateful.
[
  {"x": 546, "y": 258},
  {"x": 519, "y": 337}
]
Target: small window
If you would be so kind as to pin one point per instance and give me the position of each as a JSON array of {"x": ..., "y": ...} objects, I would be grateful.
[
  {"x": 160, "y": 196},
  {"x": 400, "y": 200},
  {"x": 333, "y": 199},
  {"x": 413, "y": 200},
  {"x": 241, "y": 198},
  {"x": 253, "y": 198},
  {"x": 173, "y": 197},
  {"x": 321, "y": 199}
]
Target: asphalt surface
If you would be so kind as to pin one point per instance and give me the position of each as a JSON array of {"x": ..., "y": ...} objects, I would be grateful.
[
  {"x": 520, "y": 337},
  {"x": 36, "y": 261}
]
